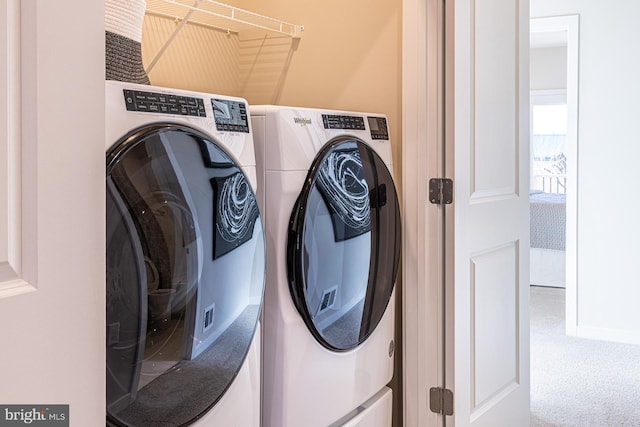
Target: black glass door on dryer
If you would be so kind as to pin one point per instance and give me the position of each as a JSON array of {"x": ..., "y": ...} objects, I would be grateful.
[
  {"x": 343, "y": 246},
  {"x": 185, "y": 275}
]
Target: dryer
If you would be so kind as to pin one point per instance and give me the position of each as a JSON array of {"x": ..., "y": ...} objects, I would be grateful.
[
  {"x": 332, "y": 223},
  {"x": 185, "y": 259}
]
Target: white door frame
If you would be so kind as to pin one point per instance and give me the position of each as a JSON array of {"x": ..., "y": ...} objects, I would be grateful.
[
  {"x": 570, "y": 24},
  {"x": 423, "y": 292}
]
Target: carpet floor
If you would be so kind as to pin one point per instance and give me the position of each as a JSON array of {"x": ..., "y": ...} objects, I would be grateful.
[
  {"x": 188, "y": 389},
  {"x": 578, "y": 382}
]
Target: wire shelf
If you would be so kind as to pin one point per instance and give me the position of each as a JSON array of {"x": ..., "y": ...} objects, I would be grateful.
[{"x": 221, "y": 16}]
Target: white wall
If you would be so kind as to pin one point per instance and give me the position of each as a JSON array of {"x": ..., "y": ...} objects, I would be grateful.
[
  {"x": 548, "y": 68},
  {"x": 608, "y": 149}
]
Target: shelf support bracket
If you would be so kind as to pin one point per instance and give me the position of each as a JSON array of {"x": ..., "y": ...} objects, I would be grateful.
[{"x": 173, "y": 36}]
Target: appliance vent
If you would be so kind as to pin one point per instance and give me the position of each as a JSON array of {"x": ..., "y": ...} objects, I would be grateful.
[
  {"x": 328, "y": 299},
  {"x": 208, "y": 317}
]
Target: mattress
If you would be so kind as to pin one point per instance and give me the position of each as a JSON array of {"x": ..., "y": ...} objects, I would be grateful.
[{"x": 548, "y": 220}]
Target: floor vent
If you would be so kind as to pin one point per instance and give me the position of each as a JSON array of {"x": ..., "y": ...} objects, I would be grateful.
[
  {"x": 208, "y": 317},
  {"x": 328, "y": 299}
]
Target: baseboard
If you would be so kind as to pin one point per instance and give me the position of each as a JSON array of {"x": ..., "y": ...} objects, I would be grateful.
[{"x": 623, "y": 336}]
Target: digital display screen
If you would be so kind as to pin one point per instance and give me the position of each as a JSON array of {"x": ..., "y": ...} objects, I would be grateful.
[
  {"x": 373, "y": 123},
  {"x": 230, "y": 116},
  {"x": 378, "y": 128}
]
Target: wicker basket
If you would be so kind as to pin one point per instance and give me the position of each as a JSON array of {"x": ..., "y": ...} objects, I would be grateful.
[{"x": 123, "y": 35}]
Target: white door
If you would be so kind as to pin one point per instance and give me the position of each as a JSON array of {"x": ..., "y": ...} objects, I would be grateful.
[
  {"x": 52, "y": 211},
  {"x": 487, "y": 155}
]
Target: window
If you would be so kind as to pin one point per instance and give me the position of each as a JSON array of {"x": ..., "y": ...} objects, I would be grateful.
[{"x": 549, "y": 144}]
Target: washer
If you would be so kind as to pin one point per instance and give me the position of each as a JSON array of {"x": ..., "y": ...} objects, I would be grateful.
[
  {"x": 185, "y": 259},
  {"x": 333, "y": 243}
]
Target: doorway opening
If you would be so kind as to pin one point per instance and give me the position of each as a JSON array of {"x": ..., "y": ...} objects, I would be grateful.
[
  {"x": 553, "y": 195},
  {"x": 554, "y": 157},
  {"x": 548, "y": 184}
]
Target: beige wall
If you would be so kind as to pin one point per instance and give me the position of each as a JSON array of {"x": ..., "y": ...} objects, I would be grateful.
[
  {"x": 198, "y": 58},
  {"x": 349, "y": 58}
]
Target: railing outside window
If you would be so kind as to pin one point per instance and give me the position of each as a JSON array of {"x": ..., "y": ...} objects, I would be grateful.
[{"x": 551, "y": 183}]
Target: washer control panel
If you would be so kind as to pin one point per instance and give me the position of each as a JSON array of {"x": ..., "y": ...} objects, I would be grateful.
[
  {"x": 377, "y": 125},
  {"x": 333, "y": 121},
  {"x": 163, "y": 103}
]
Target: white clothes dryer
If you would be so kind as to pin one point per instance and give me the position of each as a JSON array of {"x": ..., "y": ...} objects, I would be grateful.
[
  {"x": 333, "y": 242},
  {"x": 185, "y": 259}
]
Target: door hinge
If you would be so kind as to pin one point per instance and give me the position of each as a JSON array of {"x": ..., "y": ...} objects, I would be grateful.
[
  {"x": 441, "y": 191},
  {"x": 441, "y": 400}
]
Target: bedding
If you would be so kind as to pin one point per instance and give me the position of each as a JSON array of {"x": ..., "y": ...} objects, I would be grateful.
[
  {"x": 548, "y": 220},
  {"x": 548, "y": 238}
]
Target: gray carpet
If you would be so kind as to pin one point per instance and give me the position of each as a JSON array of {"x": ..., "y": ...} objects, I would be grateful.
[
  {"x": 344, "y": 333},
  {"x": 177, "y": 396},
  {"x": 578, "y": 382}
]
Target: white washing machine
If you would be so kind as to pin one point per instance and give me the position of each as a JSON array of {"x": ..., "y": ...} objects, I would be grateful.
[
  {"x": 333, "y": 244},
  {"x": 185, "y": 259}
]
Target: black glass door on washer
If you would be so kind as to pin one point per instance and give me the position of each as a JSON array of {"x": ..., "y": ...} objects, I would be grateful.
[
  {"x": 343, "y": 246},
  {"x": 185, "y": 275}
]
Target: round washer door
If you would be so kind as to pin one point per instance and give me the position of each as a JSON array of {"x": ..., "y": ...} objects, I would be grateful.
[
  {"x": 343, "y": 246},
  {"x": 185, "y": 275}
]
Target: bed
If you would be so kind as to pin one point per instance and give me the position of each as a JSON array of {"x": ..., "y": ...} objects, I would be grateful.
[{"x": 548, "y": 238}]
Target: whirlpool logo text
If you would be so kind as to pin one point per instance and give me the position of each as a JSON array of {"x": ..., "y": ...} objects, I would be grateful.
[{"x": 302, "y": 121}]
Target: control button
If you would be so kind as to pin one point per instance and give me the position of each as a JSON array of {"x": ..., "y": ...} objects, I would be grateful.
[{"x": 140, "y": 96}]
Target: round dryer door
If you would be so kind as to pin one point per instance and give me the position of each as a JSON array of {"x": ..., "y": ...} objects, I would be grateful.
[
  {"x": 343, "y": 246},
  {"x": 185, "y": 275}
]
